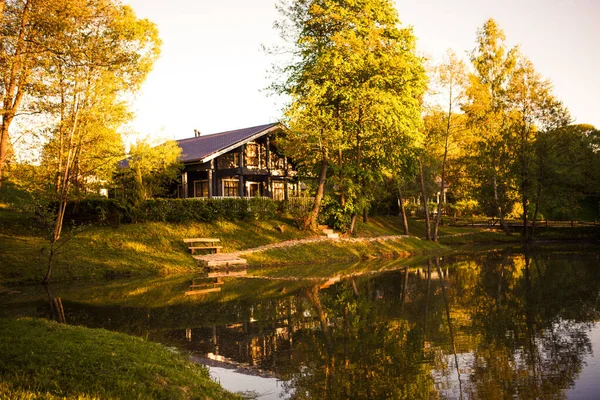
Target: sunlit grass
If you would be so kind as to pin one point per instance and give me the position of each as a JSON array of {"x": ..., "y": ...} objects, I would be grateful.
[{"x": 45, "y": 360}]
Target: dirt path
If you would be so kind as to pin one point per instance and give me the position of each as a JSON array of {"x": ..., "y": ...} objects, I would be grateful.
[{"x": 290, "y": 243}]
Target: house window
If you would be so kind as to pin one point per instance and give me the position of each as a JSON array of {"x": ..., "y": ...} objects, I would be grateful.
[
  {"x": 228, "y": 161},
  {"x": 254, "y": 189},
  {"x": 278, "y": 191},
  {"x": 252, "y": 151},
  {"x": 201, "y": 188},
  {"x": 230, "y": 187}
]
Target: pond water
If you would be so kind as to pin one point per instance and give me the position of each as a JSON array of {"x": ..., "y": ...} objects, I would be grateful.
[{"x": 483, "y": 324}]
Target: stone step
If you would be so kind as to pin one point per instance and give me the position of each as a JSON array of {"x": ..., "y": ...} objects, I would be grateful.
[
  {"x": 327, "y": 231},
  {"x": 333, "y": 235},
  {"x": 220, "y": 260}
]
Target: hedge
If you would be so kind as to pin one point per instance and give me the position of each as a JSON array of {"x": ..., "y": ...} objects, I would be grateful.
[
  {"x": 207, "y": 210},
  {"x": 176, "y": 210}
]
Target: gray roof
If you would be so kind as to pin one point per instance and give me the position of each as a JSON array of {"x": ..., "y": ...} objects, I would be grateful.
[{"x": 203, "y": 147}]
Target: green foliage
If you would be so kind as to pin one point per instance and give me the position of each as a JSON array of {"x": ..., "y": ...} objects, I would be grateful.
[
  {"x": 47, "y": 360},
  {"x": 333, "y": 214},
  {"x": 355, "y": 84},
  {"x": 207, "y": 210},
  {"x": 151, "y": 171}
]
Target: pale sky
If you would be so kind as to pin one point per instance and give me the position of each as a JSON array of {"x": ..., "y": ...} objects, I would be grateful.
[{"x": 212, "y": 70}]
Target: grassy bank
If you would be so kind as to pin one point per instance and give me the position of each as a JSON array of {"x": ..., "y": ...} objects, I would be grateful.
[
  {"x": 154, "y": 248},
  {"x": 46, "y": 360},
  {"x": 151, "y": 248},
  {"x": 338, "y": 251}
]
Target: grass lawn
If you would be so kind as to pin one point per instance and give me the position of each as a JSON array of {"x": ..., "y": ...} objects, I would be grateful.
[
  {"x": 46, "y": 360},
  {"x": 156, "y": 249},
  {"x": 151, "y": 248},
  {"x": 337, "y": 251}
]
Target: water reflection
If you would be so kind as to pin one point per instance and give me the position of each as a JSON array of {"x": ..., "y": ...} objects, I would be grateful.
[{"x": 494, "y": 324}]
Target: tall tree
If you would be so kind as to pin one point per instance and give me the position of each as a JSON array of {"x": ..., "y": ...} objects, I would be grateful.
[
  {"x": 107, "y": 53},
  {"x": 22, "y": 53},
  {"x": 451, "y": 79},
  {"x": 532, "y": 107},
  {"x": 356, "y": 79},
  {"x": 488, "y": 114}
]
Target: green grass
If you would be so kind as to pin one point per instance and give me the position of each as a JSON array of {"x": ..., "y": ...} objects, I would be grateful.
[
  {"x": 392, "y": 225},
  {"x": 337, "y": 251},
  {"x": 46, "y": 360},
  {"x": 156, "y": 249},
  {"x": 131, "y": 250}
]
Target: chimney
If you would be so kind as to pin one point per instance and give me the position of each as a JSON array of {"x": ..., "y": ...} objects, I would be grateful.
[{"x": 196, "y": 133}]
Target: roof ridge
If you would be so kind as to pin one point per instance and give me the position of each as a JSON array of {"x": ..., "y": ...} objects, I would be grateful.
[{"x": 228, "y": 132}]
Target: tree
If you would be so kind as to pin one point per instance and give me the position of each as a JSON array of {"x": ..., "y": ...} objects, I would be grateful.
[
  {"x": 451, "y": 77},
  {"x": 22, "y": 52},
  {"x": 488, "y": 115},
  {"x": 105, "y": 54},
  {"x": 532, "y": 107},
  {"x": 151, "y": 170},
  {"x": 564, "y": 170},
  {"x": 356, "y": 82}
]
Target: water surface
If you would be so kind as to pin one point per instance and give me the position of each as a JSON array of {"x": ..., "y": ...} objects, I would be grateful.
[{"x": 488, "y": 324}]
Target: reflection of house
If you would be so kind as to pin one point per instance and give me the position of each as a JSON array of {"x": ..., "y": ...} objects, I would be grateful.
[{"x": 239, "y": 163}]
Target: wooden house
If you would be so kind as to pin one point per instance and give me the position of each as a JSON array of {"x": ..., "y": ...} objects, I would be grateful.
[{"x": 239, "y": 163}]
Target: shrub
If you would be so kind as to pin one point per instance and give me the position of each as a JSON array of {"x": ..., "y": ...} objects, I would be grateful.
[{"x": 173, "y": 210}]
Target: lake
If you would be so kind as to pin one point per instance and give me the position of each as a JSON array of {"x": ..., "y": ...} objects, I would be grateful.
[{"x": 488, "y": 323}]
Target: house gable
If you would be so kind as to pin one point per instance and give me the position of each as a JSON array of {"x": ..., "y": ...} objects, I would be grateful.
[{"x": 203, "y": 149}]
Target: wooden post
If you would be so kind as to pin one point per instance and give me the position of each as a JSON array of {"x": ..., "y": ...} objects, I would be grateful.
[
  {"x": 184, "y": 185},
  {"x": 268, "y": 154},
  {"x": 241, "y": 156},
  {"x": 210, "y": 183}
]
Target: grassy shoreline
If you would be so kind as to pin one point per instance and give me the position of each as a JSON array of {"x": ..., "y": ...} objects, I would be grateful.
[
  {"x": 101, "y": 253},
  {"x": 44, "y": 359}
]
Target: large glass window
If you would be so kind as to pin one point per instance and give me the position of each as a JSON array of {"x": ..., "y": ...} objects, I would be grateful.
[
  {"x": 252, "y": 159},
  {"x": 201, "y": 188},
  {"x": 230, "y": 187}
]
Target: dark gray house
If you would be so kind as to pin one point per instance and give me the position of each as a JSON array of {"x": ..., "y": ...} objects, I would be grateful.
[{"x": 239, "y": 163}]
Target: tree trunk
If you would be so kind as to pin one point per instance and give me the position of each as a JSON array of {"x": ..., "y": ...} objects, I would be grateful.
[
  {"x": 498, "y": 207},
  {"x": 439, "y": 207},
  {"x": 4, "y": 143},
  {"x": 524, "y": 182},
  {"x": 14, "y": 86},
  {"x": 535, "y": 212},
  {"x": 425, "y": 209},
  {"x": 402, "y": 211},
  {"x": 353, "y": 223},
  {"x": 311, "y": 221},
  {"x": 365, "y": 216}
]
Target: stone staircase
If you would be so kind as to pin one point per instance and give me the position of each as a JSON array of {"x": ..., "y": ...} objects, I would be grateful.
[{"x": 330, "y": 233}]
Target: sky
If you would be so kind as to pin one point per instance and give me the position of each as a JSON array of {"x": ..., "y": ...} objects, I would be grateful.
[{"x": 212, "y": 72}]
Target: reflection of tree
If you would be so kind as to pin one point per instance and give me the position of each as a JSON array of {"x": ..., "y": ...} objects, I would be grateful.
[
  {"x": 358, "y": 355},
  {"x": 529, "y": 347},
  {"x": 518, "y": 325}
]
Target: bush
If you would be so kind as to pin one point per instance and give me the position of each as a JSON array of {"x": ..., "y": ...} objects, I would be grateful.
[
  {"x": 206, "y": 210},
  {"x": 173, "y": 210},
  {"x": 298, "y": 208}
]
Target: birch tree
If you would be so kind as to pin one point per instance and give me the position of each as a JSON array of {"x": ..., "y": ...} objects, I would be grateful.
[
  {"x": 487, "y": 110},
  {"x": 106, "y": 55}
]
